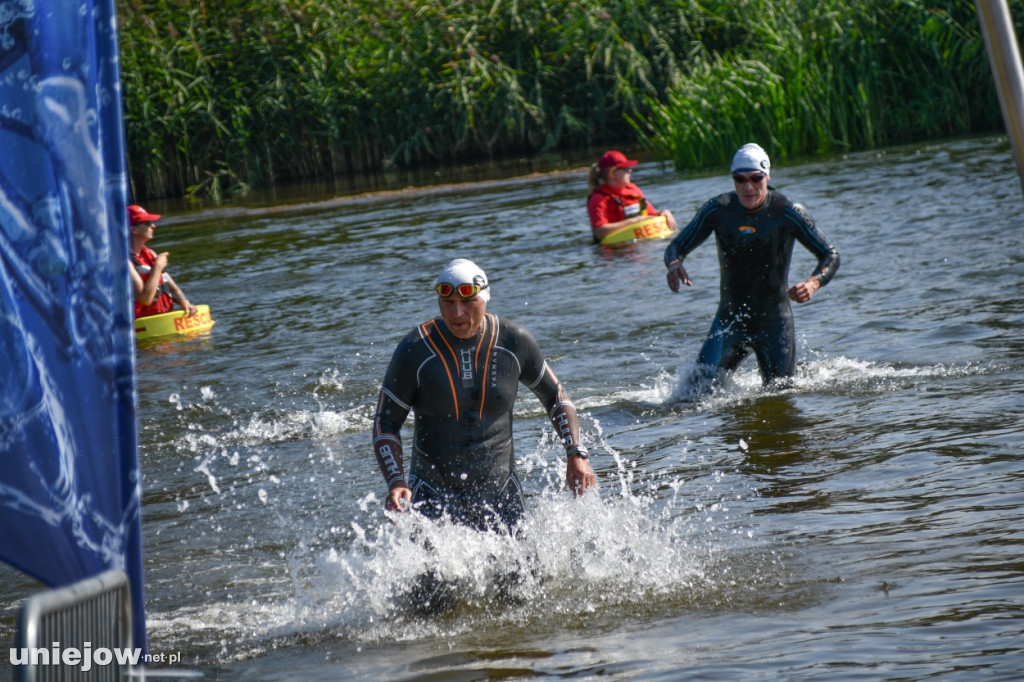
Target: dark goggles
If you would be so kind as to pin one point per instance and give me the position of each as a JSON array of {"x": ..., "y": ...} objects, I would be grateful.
[
  {"x": 444, "y": 289},
  {"x": 753, "y": 177}
]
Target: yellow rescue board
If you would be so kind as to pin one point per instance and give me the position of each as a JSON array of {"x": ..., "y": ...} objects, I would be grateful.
[
  {"x": 655, "y": 227},
  {"x": 173, "y": 323}
]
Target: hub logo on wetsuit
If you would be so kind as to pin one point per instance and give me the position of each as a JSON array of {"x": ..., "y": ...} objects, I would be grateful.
[
  {"x": 467, "y": 366},
  {"x": 747, "y": 229}
]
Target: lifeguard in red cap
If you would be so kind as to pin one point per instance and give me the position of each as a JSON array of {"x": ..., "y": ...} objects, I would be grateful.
[
  {"x": 615, "y": 201},
  {"x": 155, "y": 291}
]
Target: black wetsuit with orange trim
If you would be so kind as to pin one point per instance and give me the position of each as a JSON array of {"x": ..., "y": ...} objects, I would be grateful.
[
  {"x": 462, "y": 392},
  {"x": 754, "y": 252}
]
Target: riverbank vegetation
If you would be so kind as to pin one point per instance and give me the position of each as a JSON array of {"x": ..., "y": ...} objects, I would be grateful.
[{"x": 221, "y": 96}]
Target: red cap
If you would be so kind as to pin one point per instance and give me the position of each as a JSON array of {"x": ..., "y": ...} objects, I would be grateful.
[
  {"x": 615, "y": 159},
  {"x": 137, "y": 214}
]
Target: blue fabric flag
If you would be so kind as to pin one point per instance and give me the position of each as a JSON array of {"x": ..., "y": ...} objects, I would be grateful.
[{"x": 69, "y": 478}]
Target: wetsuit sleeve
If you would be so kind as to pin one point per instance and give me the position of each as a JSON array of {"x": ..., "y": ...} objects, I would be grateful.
[
  {"x": 566, "y": 421},
  {"x": 815, "y": 241},
  {"x": 541, "y": 379},
  {"x": 695, "y": 233},
  {"x": 397, "y": 395}
]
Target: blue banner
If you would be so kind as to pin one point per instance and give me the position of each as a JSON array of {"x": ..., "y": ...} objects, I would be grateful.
[{"x": 69, "y": 478}]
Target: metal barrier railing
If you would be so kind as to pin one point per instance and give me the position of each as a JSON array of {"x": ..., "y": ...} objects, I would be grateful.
[{"x": 76, "y": 632}]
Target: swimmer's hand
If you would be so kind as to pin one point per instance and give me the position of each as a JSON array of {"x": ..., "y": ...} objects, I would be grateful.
[
  {"x": 802, "y": 291},
  {"x": 579, "y": 475},
  {"x": 399, "y": 498},
  {"x": 676, "y": 274}
]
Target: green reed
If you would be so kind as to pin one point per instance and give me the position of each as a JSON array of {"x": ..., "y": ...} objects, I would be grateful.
[
  {"x": 820, "y": 76},
  {"x": 220, "y": 96}
]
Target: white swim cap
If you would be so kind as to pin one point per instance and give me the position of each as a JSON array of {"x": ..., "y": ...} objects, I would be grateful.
[
  {"x": 465, "y": 271},
  {"x": 750, "y": 157}
]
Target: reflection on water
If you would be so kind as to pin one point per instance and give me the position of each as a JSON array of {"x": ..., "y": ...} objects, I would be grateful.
[{"x": 862, "y": 523}]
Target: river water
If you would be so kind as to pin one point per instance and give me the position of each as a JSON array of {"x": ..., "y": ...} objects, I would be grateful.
[{"x": 867, "y": 523}]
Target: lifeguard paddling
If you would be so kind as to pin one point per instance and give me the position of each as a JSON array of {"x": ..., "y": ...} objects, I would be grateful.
[
  {"x": 619, "y": 212},
  {"x": 155, "y": 290}
]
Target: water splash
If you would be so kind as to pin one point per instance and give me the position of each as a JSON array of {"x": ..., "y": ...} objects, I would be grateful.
[
  {"x": 610, "y": 553},
  {"x": 691, "y": 383},
  {"x": 572, "y": 558}
]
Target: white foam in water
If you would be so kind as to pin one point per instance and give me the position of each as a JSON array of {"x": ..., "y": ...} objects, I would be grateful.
[
  {"x": 273, "y": 427},
  {"x": 204, "y": 468},
  {"x": 690, "y": 384},
  {"x": 824, "y": 373},
  {"x": 573, "y": 557},
  {"x": 609, "y": 551}
]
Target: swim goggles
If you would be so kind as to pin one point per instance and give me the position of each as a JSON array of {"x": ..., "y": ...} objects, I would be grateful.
[
  {"x": 743, "y": 179},
  {"x": 444, "y": 289}
]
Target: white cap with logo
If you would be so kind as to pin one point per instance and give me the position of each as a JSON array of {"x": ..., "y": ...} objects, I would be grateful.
[{"x": 751, "y": 157}]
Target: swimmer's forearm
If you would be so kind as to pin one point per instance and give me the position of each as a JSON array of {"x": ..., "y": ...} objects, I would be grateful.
[
  {"x": 567, "y": 425},
  {"x": 388, "y": 450}
]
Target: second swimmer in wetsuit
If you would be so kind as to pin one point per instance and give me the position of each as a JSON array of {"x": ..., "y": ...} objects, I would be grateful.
[
  {"x": 755, "y": 228},
  {"x": 459, "y": 373}
]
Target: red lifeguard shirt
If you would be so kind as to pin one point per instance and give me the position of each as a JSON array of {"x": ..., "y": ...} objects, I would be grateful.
[
  {"x": 610, "y": 204},
  {"x": 162, "y": 302}
]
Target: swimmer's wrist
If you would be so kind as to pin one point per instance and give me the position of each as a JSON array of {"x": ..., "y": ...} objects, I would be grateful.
[{"x": 578, "y": 451}]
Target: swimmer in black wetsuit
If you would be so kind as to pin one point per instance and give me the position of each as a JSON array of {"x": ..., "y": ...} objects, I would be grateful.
[
  {"x": 755, "y": 228},
  {"x": 460, "y": 374}
]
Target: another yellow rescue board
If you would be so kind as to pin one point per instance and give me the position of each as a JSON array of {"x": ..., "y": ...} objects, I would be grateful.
[
  {"x": 174, "y": 323},
  {"x": 654, "y": 227}
]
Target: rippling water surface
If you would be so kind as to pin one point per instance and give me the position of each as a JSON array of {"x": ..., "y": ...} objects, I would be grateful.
[{"x": 865, "y": 524}]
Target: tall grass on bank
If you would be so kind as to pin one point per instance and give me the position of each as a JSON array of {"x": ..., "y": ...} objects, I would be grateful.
[
  {"x": 224, "y": 95},
  {"x": 819, "y": 76}
]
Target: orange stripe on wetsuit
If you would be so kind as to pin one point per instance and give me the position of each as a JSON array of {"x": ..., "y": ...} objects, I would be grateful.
[
  {"x": 489, "y": 334},
  {"x": 426, "y": 328},
  {"x": 482, "y": 372}
]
